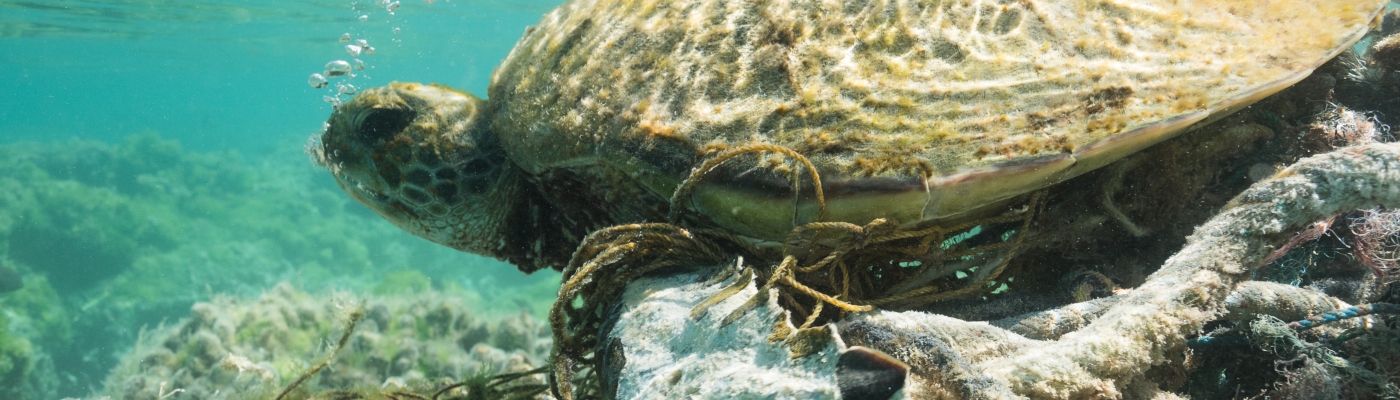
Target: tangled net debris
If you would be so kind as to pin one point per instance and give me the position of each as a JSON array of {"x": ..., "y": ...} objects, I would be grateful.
[
  {"x": 851, "y": 268},
  {"x": 1377, "y": 234}
]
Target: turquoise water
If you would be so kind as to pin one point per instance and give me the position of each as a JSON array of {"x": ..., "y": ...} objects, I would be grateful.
[
  {"x": 226, "y": 74},
  {"x": 150, "y": 158}
]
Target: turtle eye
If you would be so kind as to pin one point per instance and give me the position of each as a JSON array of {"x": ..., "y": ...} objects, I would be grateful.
[{"x": 384, "y": 123}]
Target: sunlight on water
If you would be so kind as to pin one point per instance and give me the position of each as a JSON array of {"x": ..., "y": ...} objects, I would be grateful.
[{"x": 226, "y": 75}]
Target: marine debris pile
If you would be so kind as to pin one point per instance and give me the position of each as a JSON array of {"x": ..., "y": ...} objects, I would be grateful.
[{"x": 1133, "y": 344}]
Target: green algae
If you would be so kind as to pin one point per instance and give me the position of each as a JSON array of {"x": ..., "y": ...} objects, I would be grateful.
[
  {"x": 16, "y": 357},
  {"x": 230, "y": 347},
  {"x": 31, "y": 323},
  {"x": 113, "y": 237},
  {"x": 404, "y": 281}
]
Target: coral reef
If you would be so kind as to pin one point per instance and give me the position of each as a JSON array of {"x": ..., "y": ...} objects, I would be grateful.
[{"x": 234, "y": 349}]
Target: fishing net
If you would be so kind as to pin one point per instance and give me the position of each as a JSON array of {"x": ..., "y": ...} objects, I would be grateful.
[{"x": 825, "y": 271}]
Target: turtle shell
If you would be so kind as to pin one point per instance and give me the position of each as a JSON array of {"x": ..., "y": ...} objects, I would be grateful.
[{"x": 911, "y": 110}]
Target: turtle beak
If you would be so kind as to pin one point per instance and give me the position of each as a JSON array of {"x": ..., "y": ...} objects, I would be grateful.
[
  {"x": 386, "y": 206},
  {"x": 407, "y": 151},
  {"x": 360, "y": 179},
  {"x": 359, "y": 147},
  {"x": 371, "y": 192}
]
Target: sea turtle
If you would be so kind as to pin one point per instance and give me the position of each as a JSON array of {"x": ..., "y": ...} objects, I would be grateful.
[{"x": 917, "y": 111}]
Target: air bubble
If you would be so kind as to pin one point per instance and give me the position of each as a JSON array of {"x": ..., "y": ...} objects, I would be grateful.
[
  {"x": 345, "y": 37},
  {"x": 353, "y": 50},
  {"x": 359, "y": 65},
  {"x": 337, "y": 68},
  {"x": 329, "y": 99},
  {"x": 369, "y": 50},
  {"x": 364, "y": 18},
  {"x": 393, "y": 5},
  {"x": 316, "y": 80},
  {"x": 362, "y": 43},
  {"x": 429, "y": 1},
  {"x": 396, "y": 30},
  {"x": 345, "y": 88}
]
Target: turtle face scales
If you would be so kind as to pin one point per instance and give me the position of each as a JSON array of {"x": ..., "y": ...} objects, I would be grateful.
[{"x": 418, "y": 155}]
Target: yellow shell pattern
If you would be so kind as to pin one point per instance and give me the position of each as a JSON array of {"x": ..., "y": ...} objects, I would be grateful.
[{"x": 944, "y": 105}]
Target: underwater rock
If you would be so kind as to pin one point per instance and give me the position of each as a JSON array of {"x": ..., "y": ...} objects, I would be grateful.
[{"x": 243, "y": 349}]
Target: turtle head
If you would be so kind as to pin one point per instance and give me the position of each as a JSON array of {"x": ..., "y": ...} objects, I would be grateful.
[{"x": 422, "y": 157}]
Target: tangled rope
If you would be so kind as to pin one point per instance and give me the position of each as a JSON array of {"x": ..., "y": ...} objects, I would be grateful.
[
  {"x": 687, "y": 187},
  {"x": 600, "y": 268},
  {"x": 1100, "y": 359},
  {"x": 1345, "y": 313},
  {"x": 851, "y": 268}
]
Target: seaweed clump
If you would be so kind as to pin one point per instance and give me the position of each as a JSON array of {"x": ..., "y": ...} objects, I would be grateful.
[
  {"x": 425, "y": 345},
  {"x": 32, "y": 322},
  {"x": 116, "y": 236}
]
